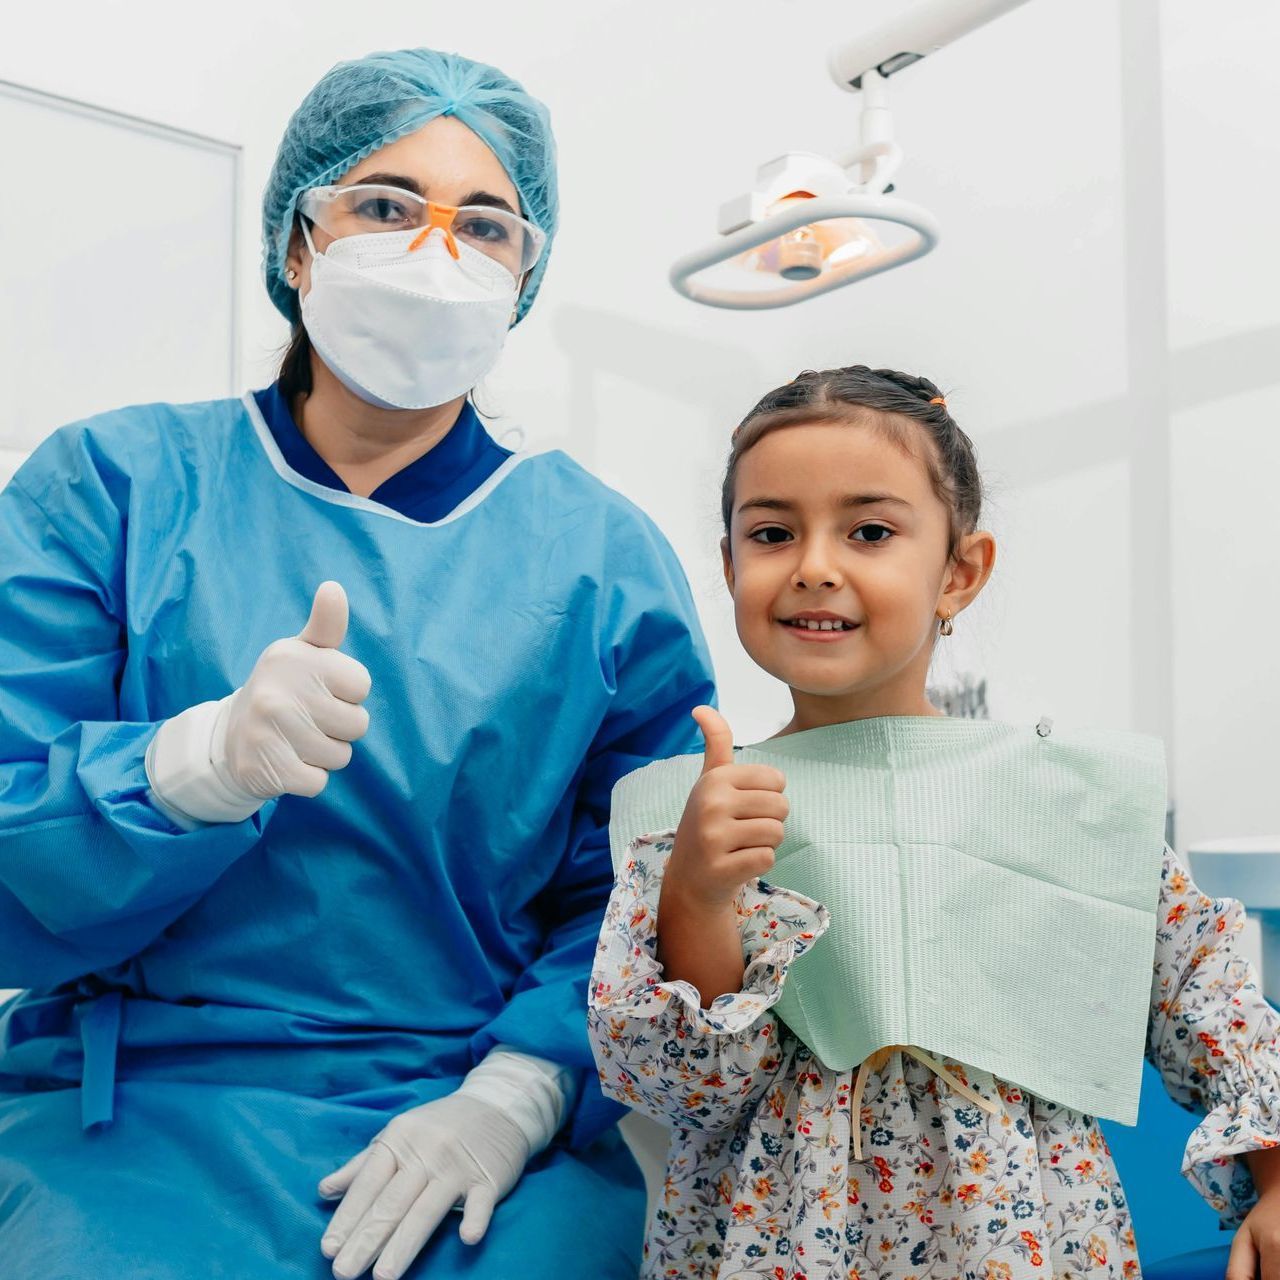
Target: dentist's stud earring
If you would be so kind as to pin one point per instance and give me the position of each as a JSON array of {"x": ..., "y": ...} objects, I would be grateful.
[
  {"x": 946, "y": 629},
  {"x": 291, "y": 275}
]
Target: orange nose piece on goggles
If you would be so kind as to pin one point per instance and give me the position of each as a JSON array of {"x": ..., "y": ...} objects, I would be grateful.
[{"x": 442, "y": 216}]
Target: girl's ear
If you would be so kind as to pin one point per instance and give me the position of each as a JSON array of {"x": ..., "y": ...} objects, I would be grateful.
[
  {"x": 728, "y": 563},
  {"x": 974, "y": 560}
]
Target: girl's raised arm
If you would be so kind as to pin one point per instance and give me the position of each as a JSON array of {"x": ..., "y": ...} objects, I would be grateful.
[{"x": 658, "y": 1049}]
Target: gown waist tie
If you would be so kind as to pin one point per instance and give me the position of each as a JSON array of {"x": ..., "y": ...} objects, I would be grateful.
[
  {"x": 99, "y": 1020},
  {"x": 879, "y": 1058}
]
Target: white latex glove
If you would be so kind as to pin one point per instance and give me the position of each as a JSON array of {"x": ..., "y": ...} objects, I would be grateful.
[
  {"x": 283, "y": 732},
  {"x": 399, "y": 1189}
]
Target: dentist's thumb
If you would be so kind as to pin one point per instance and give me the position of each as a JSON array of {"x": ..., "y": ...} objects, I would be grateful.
[{"x": 327, "y": 626}]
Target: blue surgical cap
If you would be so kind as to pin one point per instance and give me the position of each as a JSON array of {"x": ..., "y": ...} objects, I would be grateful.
[{"x": 361, "y": 106}]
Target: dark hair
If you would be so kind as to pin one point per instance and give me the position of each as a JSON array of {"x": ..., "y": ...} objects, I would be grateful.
[
  {"x": 295, "y": 367},
  {"x": 881, "y": 398}
]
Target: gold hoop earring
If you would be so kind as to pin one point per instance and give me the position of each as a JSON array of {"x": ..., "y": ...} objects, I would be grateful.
[{"x": 946, "y": 629}]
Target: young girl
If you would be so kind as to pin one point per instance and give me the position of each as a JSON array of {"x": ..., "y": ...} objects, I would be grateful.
[{"x": 851, "y": 505}]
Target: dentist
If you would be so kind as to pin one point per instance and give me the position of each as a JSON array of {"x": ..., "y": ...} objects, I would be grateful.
[{"x": 311, "y": 704}]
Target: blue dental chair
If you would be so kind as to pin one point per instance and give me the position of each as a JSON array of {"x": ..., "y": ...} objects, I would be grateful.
[{"x": 1178, "y": 1234}]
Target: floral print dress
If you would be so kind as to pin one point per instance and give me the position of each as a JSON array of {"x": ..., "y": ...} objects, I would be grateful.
[{"x": 761, "y": 1180}]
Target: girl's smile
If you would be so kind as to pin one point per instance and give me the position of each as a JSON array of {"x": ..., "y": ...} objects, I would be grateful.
[{"x": 817, "y": 625}]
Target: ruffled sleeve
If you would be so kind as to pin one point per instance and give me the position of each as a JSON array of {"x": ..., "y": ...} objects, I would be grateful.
[
  {"x": 658, "y": 1050},
  {"x": 1212, "y": 1036}
]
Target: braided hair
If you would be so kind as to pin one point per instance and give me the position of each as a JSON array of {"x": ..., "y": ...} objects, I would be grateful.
[{"x": 882, "y": 398}]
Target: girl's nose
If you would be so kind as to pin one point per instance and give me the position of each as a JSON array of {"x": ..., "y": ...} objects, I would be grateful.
[{"x": 816, "y": 573}]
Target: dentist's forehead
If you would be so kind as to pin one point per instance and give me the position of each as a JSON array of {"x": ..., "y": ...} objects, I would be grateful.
[{"x": 445, "y": 160}]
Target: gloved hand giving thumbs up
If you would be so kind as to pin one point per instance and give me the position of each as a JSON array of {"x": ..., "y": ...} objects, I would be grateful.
[{"x": 283, "y": 732}]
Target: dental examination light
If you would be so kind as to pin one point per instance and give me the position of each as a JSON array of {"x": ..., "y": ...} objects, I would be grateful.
[{"x": 810, "y": 224}]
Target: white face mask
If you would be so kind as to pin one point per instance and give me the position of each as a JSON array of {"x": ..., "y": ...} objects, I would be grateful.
[{"x": 407, "y": 330}]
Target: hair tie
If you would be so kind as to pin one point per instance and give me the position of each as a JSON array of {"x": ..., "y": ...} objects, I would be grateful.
[{"x": 938, "y": 400}]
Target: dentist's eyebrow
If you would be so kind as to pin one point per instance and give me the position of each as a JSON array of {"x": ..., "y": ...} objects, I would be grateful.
[
  {"x": 486, "y": 198},
  {"x": 489, "y": 200},
  {"x": 386, "y": 180}
]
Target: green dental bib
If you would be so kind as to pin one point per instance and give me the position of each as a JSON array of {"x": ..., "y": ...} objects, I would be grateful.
[{"x": 992, "y": 894}]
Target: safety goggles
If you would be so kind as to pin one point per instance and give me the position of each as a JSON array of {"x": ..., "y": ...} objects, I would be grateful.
[{"x": 366, "y": 208}]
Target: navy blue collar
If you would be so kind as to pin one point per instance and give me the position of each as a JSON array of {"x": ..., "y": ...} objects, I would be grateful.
[{"x": 428, "y": 489}]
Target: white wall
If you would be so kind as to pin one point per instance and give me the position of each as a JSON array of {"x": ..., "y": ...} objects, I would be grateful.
[
  {"x": 1101, "y": 308},
  {"x": 86, "y": 252},
  {"x": 1222, "y": 191}
]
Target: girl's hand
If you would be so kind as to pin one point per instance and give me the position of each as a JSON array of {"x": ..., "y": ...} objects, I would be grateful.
[
  {"x": 1255, "y": 1251},
  {"x": 732, "y": 822}
]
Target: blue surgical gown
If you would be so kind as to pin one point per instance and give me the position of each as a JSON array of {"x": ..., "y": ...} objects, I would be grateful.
[
  {"x": 427, "y": 489},
  {"x": 217, "y": 1018}
]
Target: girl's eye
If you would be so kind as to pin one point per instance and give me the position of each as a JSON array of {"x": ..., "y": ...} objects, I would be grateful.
[
  {"x": 771, "y": 535},
  {"x": 883, "y": 534}
]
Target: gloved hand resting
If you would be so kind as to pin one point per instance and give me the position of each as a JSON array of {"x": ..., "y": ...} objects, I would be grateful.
[{"x": 399, "y": 1189}]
